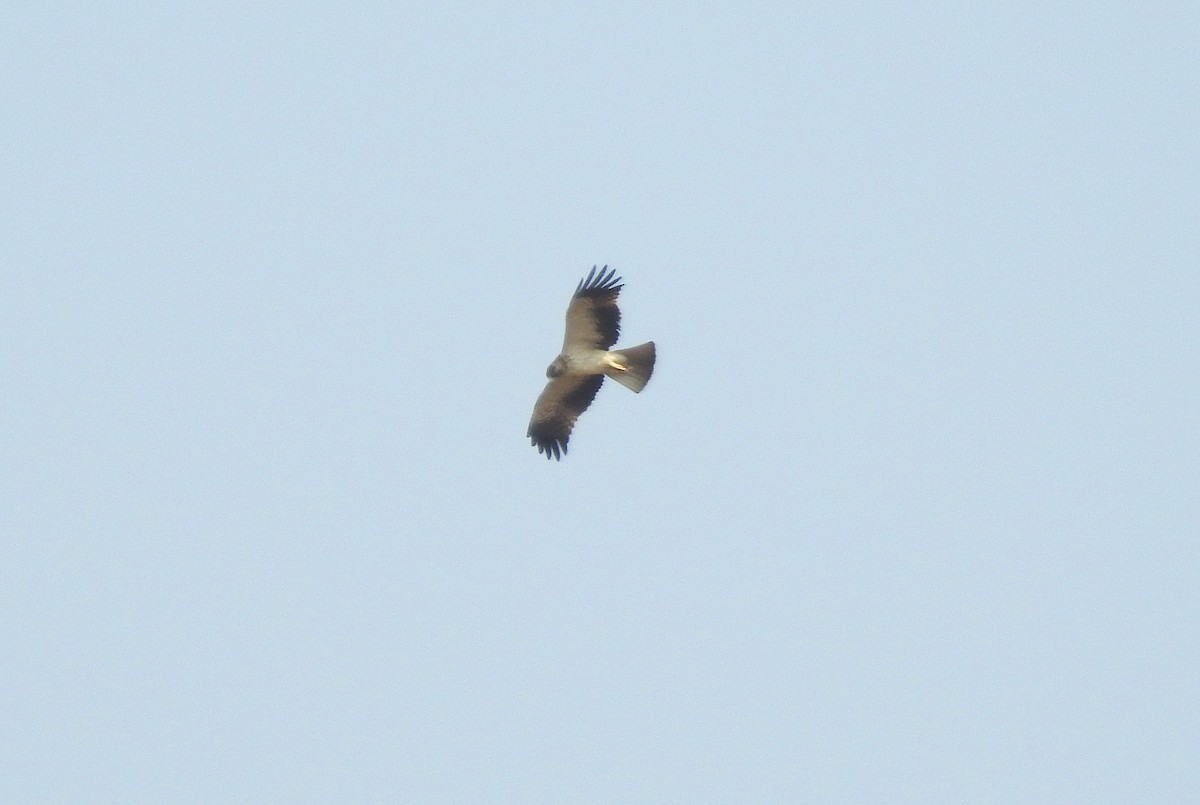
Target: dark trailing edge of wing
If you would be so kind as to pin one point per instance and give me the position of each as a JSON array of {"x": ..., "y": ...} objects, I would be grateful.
[{"x": 550, "y": 436}]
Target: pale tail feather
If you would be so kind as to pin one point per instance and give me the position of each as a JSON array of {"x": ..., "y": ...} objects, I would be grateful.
[{"x": 640, "y": 363}]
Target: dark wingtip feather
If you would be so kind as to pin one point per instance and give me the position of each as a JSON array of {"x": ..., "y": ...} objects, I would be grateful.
[
  {"x": 596, "y": 284},
  {"x": 552, "y": 446},
  {"x": 586, "y": 280}
]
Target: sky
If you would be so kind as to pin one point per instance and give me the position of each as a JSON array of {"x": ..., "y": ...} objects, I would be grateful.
[{"x": 907, "y": 514}]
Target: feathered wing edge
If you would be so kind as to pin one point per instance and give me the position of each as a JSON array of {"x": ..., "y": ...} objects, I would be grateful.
[
  {"x": 593, "y": 285},
  {"x": 555, "y": 412}
]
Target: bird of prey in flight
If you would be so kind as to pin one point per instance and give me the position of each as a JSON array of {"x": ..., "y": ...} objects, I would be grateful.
[{"x": 593, "y": 324}]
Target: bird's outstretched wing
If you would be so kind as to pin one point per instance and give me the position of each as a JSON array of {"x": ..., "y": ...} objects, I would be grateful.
[
  {"x": 557, "y": 408},
  {"x": 593, "y": 318}
]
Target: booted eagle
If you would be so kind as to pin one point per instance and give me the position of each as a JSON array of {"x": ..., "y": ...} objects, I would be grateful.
[{"x": 593, "y": 324}]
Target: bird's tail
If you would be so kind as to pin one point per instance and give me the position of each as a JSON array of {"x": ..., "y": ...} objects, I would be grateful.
[{"x": 639, "y": 365}]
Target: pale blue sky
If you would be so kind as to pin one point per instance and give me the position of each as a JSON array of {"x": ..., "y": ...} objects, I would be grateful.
[{"x": 908, "y": 513}]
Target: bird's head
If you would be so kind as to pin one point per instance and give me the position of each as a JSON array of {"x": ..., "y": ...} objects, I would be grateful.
[{"x": 557, "y": 368}]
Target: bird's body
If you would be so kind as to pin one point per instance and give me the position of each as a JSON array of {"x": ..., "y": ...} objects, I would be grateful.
[{"x": 593, "y": 325}]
